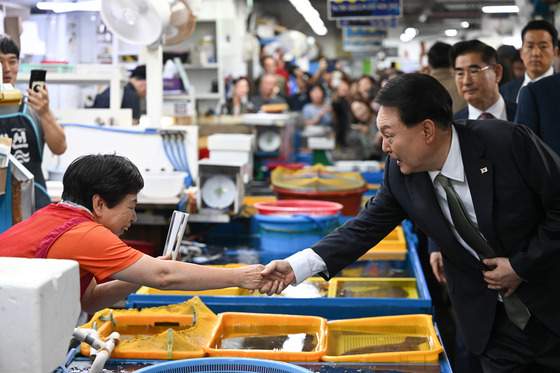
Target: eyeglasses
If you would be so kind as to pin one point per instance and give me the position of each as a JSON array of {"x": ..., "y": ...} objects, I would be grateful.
[{"x": 474, "y": 71}]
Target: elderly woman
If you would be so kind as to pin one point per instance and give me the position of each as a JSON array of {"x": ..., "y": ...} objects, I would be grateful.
[{"x": 98, "y": 204}]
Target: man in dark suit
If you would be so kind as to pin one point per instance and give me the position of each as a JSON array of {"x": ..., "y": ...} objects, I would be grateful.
[
  {"x": 538, "y": 52},
  {"x": 508, "y": 181},
  {"x": 477, "y": 75},
  {"x": 539, "y": 109}
]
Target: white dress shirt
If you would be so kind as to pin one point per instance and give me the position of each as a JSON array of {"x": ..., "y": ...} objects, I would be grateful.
[
  {"x": 528, "y": 80},
  {"x": 498, "y": 110}
]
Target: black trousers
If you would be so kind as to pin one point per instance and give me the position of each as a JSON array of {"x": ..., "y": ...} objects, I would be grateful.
[{"x": 533, "y": 350}]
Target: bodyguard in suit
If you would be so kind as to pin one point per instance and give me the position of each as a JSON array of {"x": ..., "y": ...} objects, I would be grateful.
[
  {"x": 539, "y": 109},
  {"x": 477, "y": 75},
  {"x": 507, "y": 180},
  {"x": 538, "y": 52}
]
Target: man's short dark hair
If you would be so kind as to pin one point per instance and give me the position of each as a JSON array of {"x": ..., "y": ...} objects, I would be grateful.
[
  {"x": 8, "y": 45},
  {"x": 541, "y": 24},
  {"x": 487, "y": 53},
  {"x": 417, "y": 97},
  {"x": 109, "y": 175},
  {"x": 438, "y": 55},
  {"x": 139, "y": 72}
]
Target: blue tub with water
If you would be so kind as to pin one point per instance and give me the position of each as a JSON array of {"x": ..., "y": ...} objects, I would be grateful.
[{"x": 289, "y": 234}]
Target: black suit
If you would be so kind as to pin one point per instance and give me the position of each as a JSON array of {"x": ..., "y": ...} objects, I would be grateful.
[
  {"x": 539, "y": 109},
  {"x": 513, "y": 179},
  {"x": 511, "y": 109},
  {"x": 510, "y": 90}
]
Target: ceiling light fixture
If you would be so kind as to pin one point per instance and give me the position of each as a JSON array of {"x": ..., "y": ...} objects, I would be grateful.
[
  {"x": 63, "y": 7},
  {"x": 311, "y": 16},
  {"x": 451, "y": 32},
  {"x": 465, "y": 24},
  {"x": 500, "y": 9}
]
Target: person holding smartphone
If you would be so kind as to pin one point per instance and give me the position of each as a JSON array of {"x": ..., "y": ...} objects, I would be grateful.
[{"x": 29, "y": 125}]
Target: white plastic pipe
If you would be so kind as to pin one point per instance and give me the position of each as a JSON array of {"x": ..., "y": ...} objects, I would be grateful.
[
  {"x": 104, "y": 353},
  {"x": 88, "y": 336}
]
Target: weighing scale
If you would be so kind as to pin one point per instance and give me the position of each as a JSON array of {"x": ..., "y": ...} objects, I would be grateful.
[{"x": 221, "y": 186}]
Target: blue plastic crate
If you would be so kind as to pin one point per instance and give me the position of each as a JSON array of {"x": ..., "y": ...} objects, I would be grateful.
[{"x": 224, "y": 365}]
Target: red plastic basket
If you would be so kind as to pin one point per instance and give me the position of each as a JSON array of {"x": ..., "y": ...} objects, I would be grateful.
[{"x": 289, "y": 207}]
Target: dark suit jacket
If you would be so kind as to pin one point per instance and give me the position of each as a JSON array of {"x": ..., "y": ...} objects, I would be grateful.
[
  {"x": 510, "y": 90},
  {"x": 130, "y": 100},
  {"x": 539, "y": 109},
  {"x": 517, "y": 203},
  {"x": 511, "y": 108}
]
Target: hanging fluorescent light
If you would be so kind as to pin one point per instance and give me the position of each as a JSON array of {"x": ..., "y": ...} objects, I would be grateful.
[
  {"x": 63, "y": 7},
  {"x": 500, "y": 9},
  {"x": 465, "y": 24},
  {"x": 311, "y": 16}
]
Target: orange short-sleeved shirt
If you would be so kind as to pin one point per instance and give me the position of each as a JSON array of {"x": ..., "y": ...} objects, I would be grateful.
[{"x": 96, "y": 249}]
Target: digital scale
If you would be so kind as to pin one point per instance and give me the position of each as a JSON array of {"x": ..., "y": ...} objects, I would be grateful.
[{"x": 221, "y": 186}]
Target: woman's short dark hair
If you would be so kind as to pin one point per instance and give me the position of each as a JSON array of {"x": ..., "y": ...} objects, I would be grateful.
[
  {"x": 417, "y": 97},
  {"x": 109, "y": 175},
  {"x": 8, "y": 45}
]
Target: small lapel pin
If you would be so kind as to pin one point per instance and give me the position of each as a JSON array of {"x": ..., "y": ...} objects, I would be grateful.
[{"x": 484, "y": 170}]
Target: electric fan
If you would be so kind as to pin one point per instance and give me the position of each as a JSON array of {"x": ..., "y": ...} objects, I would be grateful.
[{"x": 151, "y": 24}]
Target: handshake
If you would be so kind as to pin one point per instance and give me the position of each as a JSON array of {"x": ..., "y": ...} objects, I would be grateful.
[{"x": 270, "y": 279}]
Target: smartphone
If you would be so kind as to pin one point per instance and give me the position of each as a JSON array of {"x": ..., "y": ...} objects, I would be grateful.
[{"x": 37, "y": 79}]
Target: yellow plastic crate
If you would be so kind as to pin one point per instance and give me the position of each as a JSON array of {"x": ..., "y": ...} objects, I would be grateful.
[
  {"x": 393, "y": 246},
  {"x": 268, "y": 336},
  {"x": 225, "y": 291},
  {"x": 162, "y": 333},
  {"x": 391, "y": 287},
  {"x": 249, "y": 202},
  {"x": 387, "y": 339}
]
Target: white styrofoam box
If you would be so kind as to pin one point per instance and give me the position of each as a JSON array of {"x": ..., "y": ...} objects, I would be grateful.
[
  {"x": 245, "y": 158},
  {"x": 325, "y": 143},
  {"x": 39, "y": 309},
  {"x": 231, "y": 141}
]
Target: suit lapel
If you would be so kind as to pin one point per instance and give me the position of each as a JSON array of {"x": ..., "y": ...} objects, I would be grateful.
[
  {"x": 421, "y": 190},
  {"x": 480, "y": 176}
]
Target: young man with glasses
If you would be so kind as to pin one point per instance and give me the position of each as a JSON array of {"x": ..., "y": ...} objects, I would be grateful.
[
  {"x": 477, "y": 75},
  {"x": 538, "y": 52}
]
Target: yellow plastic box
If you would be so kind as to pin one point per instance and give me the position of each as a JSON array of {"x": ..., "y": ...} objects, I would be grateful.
[
  {"x": 349, "y": 287},
  {"x": 387, "y": 339},
  {"x": 162, "y": 333},
  {"x": 268, "y": 336},
  {"x": 393, "y": 246}
]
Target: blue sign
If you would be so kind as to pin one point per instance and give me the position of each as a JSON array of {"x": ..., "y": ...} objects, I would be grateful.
[
  {"x": 364, "y": 32},
  {"x": 361, "y": 45},
  {"x": 371, "y": 22},
  {"x": 359, "y": 9}
]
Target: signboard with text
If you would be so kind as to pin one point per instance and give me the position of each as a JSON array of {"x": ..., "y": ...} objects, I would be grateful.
[
  {"x": 359, "y": 9},
  {"x": 372, "y": 22}
]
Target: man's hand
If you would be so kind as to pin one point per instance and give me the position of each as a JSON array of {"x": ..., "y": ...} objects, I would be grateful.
[
  {"x": 501, "y": 277},
  {"x": 279, "y": 274},
  {"x": 436, "y": 262},
  {"x": 39, "y": 100}
]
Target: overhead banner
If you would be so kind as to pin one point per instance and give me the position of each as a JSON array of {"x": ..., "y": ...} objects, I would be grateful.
[
  {"x": 364, "y": 32},
  {"x": 359, "y": 9},
  {"x": 361, "y": 45},
  {"x": 372, "y": 22}
]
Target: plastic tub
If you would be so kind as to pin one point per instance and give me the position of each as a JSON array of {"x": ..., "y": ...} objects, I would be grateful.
[
  {"x": 290, "y": 207},
  {"x": 259, "y": 335},
  {"x": 351, "y": 200},
  {"x": 288, "y": 235},
  {"x": 225, "y": 365}
]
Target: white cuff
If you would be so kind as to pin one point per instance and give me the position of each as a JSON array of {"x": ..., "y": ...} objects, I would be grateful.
[{"x": 305, "y": 264}]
